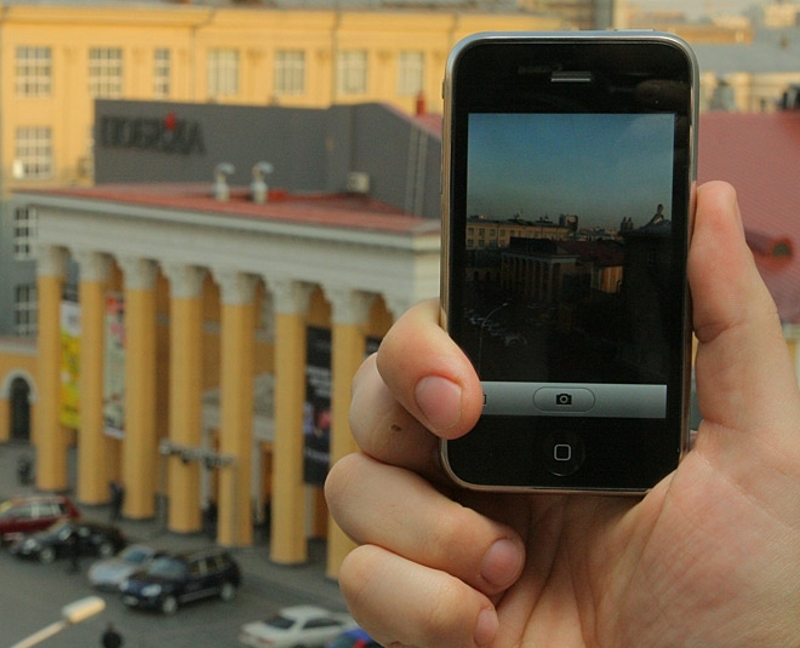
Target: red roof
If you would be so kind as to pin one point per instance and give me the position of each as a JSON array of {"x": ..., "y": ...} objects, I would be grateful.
[
  {"x": 332, "y": 210},
  {"x": 759, "y": 154}
]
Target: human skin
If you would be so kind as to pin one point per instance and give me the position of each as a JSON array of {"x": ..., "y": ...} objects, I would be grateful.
[{"x": 709, "y": 558}]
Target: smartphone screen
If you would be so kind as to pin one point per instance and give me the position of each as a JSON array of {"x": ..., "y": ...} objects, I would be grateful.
[{"x": 569, "y": 170}]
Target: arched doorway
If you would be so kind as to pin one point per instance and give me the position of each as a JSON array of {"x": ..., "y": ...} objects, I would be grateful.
[{"x": 20, "y": 410}]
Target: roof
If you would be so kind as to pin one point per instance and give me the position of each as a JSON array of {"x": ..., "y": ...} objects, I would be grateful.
[
  {"x": 759, "y": 154},
  {"x": 758, "y": 57},
  {"x": 348, "y": 211}
]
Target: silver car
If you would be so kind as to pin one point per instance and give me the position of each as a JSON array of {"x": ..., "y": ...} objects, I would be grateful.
[{"x": 110, "y": 573}]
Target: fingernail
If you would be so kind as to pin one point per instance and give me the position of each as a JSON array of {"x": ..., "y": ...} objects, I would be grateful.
[
  {"x": 439, "y": 400},
  {"x": 502, "y": 563},
  {"x": 486, "y": 628}
]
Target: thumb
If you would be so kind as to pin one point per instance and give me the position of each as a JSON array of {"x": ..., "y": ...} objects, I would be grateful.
[{"x": 745, "y": 378}]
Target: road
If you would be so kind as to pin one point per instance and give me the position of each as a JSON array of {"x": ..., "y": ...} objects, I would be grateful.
[{"x": 32, "y": 594}]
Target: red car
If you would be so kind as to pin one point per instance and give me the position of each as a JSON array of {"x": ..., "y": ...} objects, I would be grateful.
[{"x": 30, "y": 513}]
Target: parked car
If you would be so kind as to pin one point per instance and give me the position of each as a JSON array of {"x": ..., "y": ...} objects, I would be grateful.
[
  {"x": 300, "y": 626},
  {"x": 93, "y": 539},
  {"x": 170, "y": 581},
  {"x": 109, "y": 573},
  {"x": 355, "y": 638},
  {"x": 31, "y": 513}
]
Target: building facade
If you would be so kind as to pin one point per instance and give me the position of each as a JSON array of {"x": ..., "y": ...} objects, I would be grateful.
[
  {"x": 583, "y": 14},
  {"x": 171, "y": 366},
  {"x": 221, "y": 303},
  {"x": 56, "y": 61}
]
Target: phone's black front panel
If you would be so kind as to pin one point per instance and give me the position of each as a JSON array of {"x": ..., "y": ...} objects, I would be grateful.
[
  {"x": 518, "y": 452},
  {"x": 569, "y": 201}
]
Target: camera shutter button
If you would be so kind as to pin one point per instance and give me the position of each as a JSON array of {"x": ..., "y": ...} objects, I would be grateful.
[{"x": 563, "y": 399}]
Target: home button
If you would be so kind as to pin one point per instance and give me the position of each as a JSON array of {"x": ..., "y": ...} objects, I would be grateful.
[{"x": 563, "y": 453}]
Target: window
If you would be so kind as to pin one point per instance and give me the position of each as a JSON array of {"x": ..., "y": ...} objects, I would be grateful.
[
  {"x": 34, "y": 153},
  {"x": 411, "y": 68},
  {"x": 223, "y": 73},
  {"x": 34, "y": 75},
  {"x": 105, "y": 72},
  {"x": 24, "y": 232},
  {"x": 48, "y": 509},
  {"x": 321, "y": 622},
  {"x": 161, "y": 74},
  {"x": 25, "y": 310},
  {"x": 197, "y": 568},
  {"x": 290, "y": 72},
  {"x": 352, "y": 73},
  {"x": 25, "y": 511}
]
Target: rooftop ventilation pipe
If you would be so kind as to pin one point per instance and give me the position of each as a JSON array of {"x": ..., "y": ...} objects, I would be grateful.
[
  {"x": 221, "y": 172},
  {"x": 259, "y": 187}
]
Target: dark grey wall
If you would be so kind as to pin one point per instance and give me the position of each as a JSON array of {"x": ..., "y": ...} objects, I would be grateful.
[{"x": 310, "y": 149}]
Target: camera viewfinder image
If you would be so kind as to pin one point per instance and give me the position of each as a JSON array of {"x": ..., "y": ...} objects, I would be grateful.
[{"x": 568, "y": 247}]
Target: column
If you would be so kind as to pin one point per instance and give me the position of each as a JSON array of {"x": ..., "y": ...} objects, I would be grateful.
[
  {"x": 93, "y": 444},
  {"x": 235, "y": 526},
  {"x": 397, "y": 304},
  {"x": 49, "y": 436},
  {"x": 5, "y": 416},
  {"x": 350, "y": 316},
  {"x": 288, "y": 543},
  {"x": 140, "y": 452},
  {"x": 185, "y": 394}
]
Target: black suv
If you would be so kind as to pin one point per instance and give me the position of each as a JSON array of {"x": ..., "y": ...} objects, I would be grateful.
[{"x": 173, "y": 580}]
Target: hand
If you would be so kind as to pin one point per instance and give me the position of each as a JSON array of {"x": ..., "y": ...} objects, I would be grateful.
[{"x": 710, "y": 557}]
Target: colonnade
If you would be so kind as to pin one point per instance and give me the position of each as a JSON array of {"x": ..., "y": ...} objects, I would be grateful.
[{"x": 139, "y": 458}]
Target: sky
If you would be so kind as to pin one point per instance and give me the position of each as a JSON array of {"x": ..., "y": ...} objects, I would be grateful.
[{"x": 599, "y": 167}]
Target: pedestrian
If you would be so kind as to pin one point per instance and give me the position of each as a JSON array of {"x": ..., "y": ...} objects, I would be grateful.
[
  {"x": 25, "y": 470},
  {"x": 111, "y": 638},
  {"x": 74, "y": 550},
  {"x": 117, "y": 499}
]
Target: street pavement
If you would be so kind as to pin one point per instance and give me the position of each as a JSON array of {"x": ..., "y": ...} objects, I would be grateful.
[{"x": 32, "y": 595}]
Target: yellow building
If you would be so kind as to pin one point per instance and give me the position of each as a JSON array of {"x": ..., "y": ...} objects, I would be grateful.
[
  {"x": 18, "y": 371},
  {"x": 56, "y": 60},
  {"x": 196, "y": 340},
  {"x": 219, "y": 301},
  {"x": 485, "y": 233}
]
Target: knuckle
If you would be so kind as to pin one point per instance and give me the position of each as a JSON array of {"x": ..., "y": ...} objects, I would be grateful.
[{"x": 340, "y": 480}]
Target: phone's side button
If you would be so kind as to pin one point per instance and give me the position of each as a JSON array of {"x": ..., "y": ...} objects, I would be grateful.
[{"x": 563, "y": 453}]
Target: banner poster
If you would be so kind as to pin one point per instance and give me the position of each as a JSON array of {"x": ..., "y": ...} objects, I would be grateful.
[
  {"x": 70, "y": 314},
  {"x": 114, "y": 366},
  {"x": 317, "y": 408}
]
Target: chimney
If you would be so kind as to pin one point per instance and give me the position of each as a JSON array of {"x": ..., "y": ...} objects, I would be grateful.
[
  {"x": 775, "y": 249},
  {"x": 723, "y": 97},
  {"x": 791, "y": 98},
  {"x": 221, "y": 172},
  {"x": 259, "y": 187},
  {"x": 420, "y": 104},
  {"x": 357, "y": 183}
]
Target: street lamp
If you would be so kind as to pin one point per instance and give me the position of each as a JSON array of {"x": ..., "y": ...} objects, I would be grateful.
[{"x": 71, "y": 614}]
